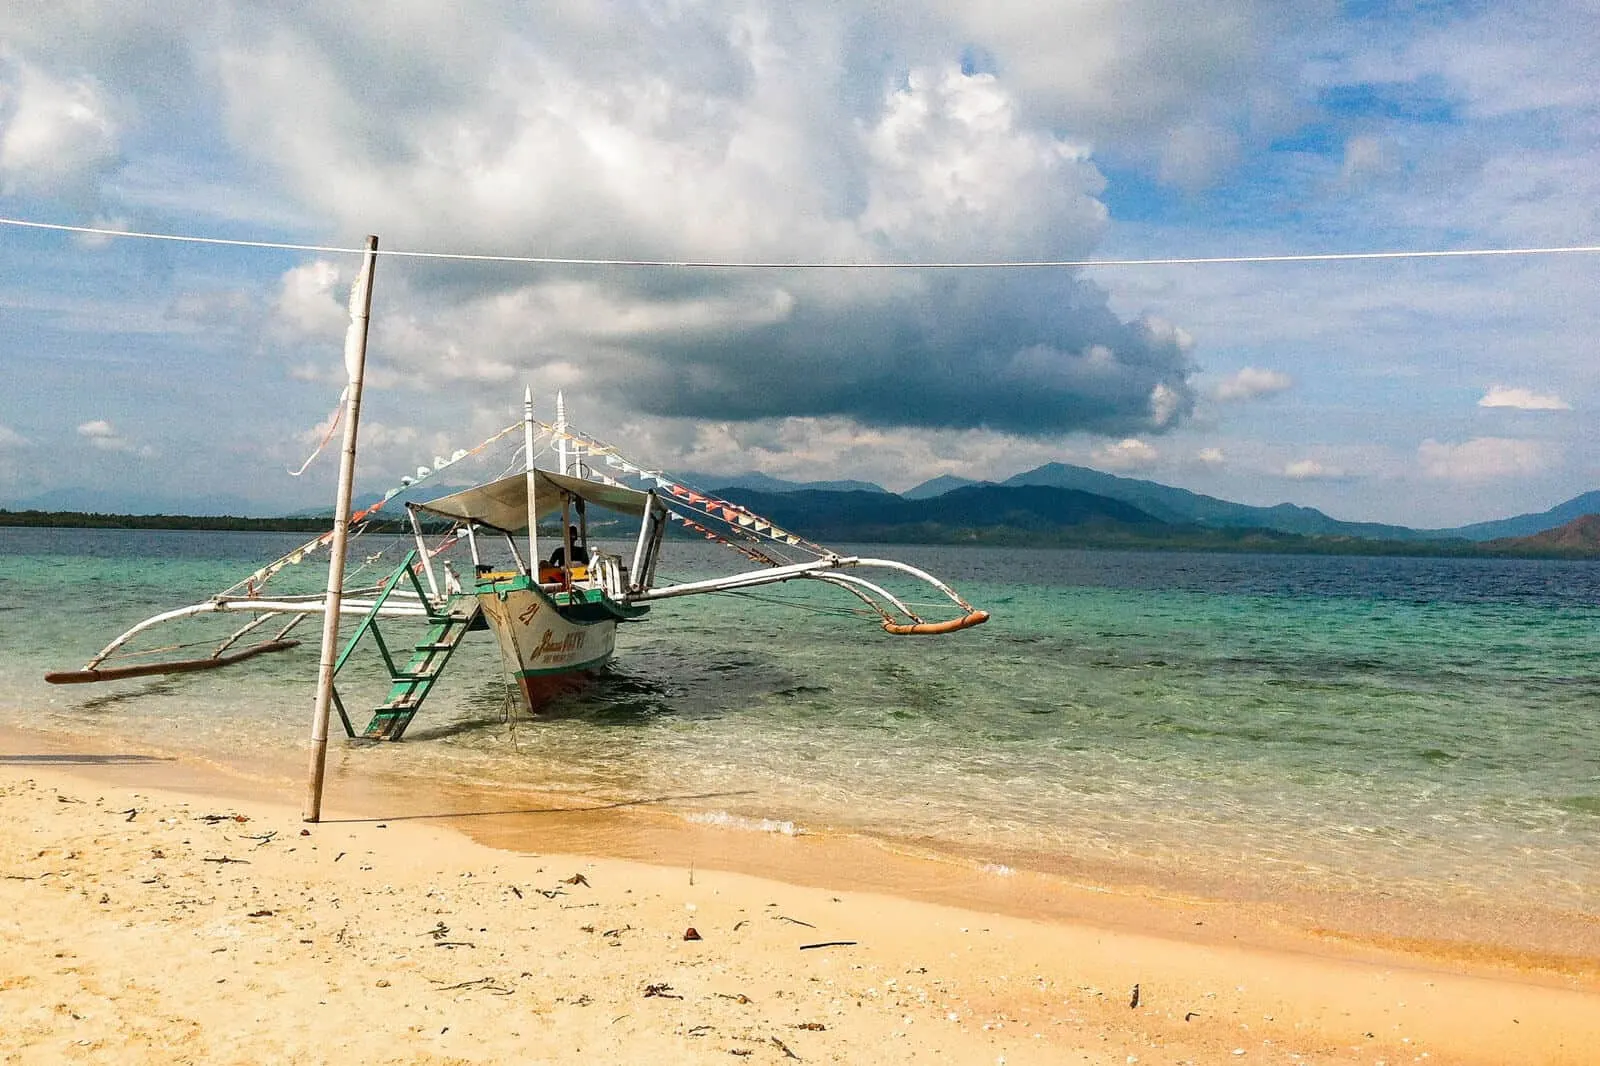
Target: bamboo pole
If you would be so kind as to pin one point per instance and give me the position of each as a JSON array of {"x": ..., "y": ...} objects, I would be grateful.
[{"x": 355, "y": 360}]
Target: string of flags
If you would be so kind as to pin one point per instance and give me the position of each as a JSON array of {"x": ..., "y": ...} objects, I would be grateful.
[
  {"x": 739, "y": 519},
  {"x": 735, "y": 515},
  {"x": 251, "y": 586}
]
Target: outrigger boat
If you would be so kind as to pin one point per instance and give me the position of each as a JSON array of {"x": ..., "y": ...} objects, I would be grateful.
[{"x": 555, "y": 617}]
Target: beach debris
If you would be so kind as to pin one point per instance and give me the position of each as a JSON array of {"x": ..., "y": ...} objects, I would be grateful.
[
  {"x": 741, "y": 923},
  {"x": 439, "y": 931},
  {"x": 264, "y": 838},
  {"x": 477, "y": 984},
  {"x": 1133, "y": 1001},
  {"x": 660, "y": 991},
  {"x": 691, "y": 933},
  {"x": 737, "y": 997},
  {"x": 618, "y": 932},
  {"x": 742, "y": 1052},
  {"x": 781, "y": 1046},
  {"x": 259, "y": 914},
  {"x": 576, "y": 879},
  {"x": 1191, "y": 1014},
  {"x": 829, "y": 944},
  {"x": 585, "y": 928},
  {"x": 454, "y": 944},
  {"x": 305, "y": 832},
  {"x": 515, "y": 891},
  {"x": 550, "y": 893},
  {"x": 66, "y": 799},
  {"x": 796, "y": 921},
  {"x": 811, "y": 1027},
  {"x": 700, "y": 1030},
  {"x": 225, "y": 860},
  {"x": 131, "y": 812},
  {"x": 213, "y": 819},
  {"x": 339, "y": 856}
]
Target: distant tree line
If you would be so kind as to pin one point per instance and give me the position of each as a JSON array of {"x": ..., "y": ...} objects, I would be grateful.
[{"x": 1154, "y": 536}]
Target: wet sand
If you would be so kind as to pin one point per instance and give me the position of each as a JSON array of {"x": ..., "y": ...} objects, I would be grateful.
[{"x": 156, "y": 910}]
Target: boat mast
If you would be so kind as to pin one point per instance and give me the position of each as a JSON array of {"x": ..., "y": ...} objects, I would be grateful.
[
  {"x": 561, "y": 434},
  {"x": 533, "y": 510}
]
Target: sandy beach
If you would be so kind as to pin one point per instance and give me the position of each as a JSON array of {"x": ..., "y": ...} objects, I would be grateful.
[{"x": 157, "y": 911}]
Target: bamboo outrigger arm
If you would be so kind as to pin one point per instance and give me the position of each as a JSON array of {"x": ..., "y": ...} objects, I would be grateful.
[
  {"x": 297, "y": 606},
  {"x": 827, "y": 569}
]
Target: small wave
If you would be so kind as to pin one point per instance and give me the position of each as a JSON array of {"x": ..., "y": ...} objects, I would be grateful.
[
  {"x": 1581, "y": 804},
  {"x": 999, "y": 869},
  {"x": 724, "y": 820}
]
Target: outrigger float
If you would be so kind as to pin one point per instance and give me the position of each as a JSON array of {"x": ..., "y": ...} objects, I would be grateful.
[{"x": 555, "y": 616}]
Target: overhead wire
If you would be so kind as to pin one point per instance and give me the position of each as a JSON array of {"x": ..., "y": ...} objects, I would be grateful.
[{"x": 735, "y": 264}]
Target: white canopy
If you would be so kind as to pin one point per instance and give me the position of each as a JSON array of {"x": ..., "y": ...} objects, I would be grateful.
[{"x": 504, "y": 503}]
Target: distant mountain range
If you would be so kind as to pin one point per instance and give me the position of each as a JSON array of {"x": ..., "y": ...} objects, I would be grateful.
[
  {"x": 1055, "y": 503},
  {"x": 939, "y": 486},
  {"x": 1181, "y": 507},
  {"x": 1028, "y": 510},
  {"x": 1581, "y": 536},
  {"x": 1526, "y": 525}
]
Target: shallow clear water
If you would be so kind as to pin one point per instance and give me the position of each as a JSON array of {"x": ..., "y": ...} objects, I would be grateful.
[{"x": 1411, "y": 726}]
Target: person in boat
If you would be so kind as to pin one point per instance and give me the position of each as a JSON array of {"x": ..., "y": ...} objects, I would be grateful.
[{"x": 580, "y": 554}]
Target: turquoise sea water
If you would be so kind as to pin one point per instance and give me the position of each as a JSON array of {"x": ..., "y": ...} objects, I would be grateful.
[{"x": 1423, "y": 728}]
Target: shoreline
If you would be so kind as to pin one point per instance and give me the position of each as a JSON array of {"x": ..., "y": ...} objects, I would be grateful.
[
  {"x": 1560, "y": 949},
  {"x": 1022, "y": 955}
]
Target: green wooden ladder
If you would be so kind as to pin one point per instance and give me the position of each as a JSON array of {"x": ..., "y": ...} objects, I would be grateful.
[{"x": 410, "y": 684}]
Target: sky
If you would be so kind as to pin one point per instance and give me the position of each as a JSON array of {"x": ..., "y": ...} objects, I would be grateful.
[{"x": 148, "y": 375}]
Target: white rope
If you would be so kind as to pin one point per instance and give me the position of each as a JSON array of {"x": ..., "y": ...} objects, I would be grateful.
[{"x": 687, "y": 264}]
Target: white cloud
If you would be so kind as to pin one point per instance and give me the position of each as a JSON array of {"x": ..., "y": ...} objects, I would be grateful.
[
  {"x": 1211, "y": 456},
  {"x": 10, "y": 438},
  {"x": 1311, "y": 470},
  {"x": 1127, "y": 454},
  {"x": 734, "y": 155},
  {"x": 55, "y": 134},
  {"x": 1253, "y": 382},
  {"x": 1366, "y": 157},
  {"x": 103, "y": 435},
  {"x": 1165, "y": 403},
  {"x": 313, "y": 300},
  {"x": 1482, "y": 458},
  {"x": 1523, "y": 399}
]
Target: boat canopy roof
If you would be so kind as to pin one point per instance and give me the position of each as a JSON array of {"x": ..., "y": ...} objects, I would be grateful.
[{"x": 504, "y": 503}]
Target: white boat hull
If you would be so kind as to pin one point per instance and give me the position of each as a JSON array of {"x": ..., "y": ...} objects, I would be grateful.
[{"x": 544, "y": 648}]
